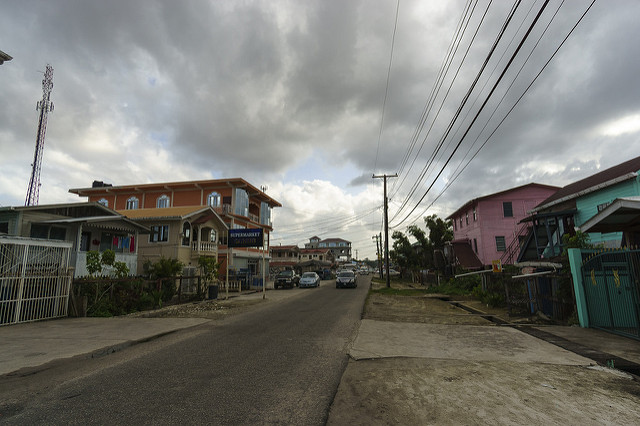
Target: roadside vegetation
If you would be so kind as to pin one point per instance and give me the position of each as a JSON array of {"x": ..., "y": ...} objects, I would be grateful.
[{"x": 110, "y": 291}]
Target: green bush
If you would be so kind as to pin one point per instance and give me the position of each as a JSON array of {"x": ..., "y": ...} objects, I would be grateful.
[
  {"x": 165, "y": 270},
  {"x": 110, "y": 297},
  {"x": 103, "y": 308},
  {"x": 489, "y": 298},
  {"x": 146, "y": 301},
  {"x": 457, "y": 286}
]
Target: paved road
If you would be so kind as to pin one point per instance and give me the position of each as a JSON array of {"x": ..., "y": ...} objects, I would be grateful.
[{"x": 279, "y": 363}]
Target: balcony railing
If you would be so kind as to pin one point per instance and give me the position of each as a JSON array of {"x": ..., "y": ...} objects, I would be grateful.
[
  {"x": 226, "y": 209},
  {"x": 208, "y": 247}
]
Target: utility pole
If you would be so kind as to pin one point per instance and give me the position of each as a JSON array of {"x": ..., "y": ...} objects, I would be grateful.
[
  {"x": 378, "y": 253},
  {"x": 386, "y": 224}
]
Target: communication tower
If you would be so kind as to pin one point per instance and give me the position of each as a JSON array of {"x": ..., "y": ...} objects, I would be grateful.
[{"x": 45, "y": 105}]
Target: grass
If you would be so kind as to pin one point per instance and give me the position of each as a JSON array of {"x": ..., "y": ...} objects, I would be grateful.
[{"x": 400, "y": 291}]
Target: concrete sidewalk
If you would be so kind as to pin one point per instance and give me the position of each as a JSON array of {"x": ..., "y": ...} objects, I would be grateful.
[
  {"x": 33, "y": 344},
  {"x": 37, "y": 343},
  {"x": 451, "y": 373}
]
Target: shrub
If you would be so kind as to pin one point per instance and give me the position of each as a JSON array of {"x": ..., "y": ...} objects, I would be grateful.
[
  {"x": 165, "y": 270},
  {"x": 489, "y": 298}
]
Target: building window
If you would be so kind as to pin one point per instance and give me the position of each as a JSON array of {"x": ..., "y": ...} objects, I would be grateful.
[
  {"x": 162, "y": 202},
  {"x": 213, "y": 199},
  {"x": 159, "y": 233},
  {"x": 475, "y": 215},
  {"x": 265, "y": 214},
  {"x": 39, "y": 231},
  {"x": 213, "y": 236},
  {"x": 455, "y": 225},
  {"x": 85, "y": 241},
  {"x": 132, "y": 203},
  {"x": 460, "y": 222},
  {"x": 500, "y": 243},
  {"x": 104, "y": 202},
  {"x": 507, "y": 208},
  {"x": 242, "y": 202},
  {"x": 467, "y": 218},
  {"x": 57, "y": 233},
  {"x": 475, "y": 245},
  {"x": 4, "y": 227},
  {"x": 186, "y": 234}
]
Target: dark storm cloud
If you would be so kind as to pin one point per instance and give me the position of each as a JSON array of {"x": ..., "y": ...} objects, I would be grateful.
[{"x": 153, "y": 90}]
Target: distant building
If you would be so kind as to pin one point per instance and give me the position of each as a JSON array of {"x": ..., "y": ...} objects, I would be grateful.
[
  {"x": 284, "y": 257},
  {"x": 340, "y": 249}
]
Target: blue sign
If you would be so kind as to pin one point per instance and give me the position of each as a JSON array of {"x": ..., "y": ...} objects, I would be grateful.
[{"x": 246, "y": 237}]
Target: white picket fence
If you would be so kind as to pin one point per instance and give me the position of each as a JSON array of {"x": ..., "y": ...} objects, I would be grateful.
[{"x": 35, "y": 279}]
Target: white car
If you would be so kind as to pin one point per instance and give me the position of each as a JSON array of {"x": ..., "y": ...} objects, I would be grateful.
[{"x": 309, "y": 279}]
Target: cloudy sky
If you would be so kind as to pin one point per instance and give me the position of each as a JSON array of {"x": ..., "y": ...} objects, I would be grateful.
[{"x": 312, "y": 98}]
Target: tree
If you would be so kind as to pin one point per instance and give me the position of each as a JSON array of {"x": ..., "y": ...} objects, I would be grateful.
[
  {"x": 440, "y": 231},
  {"x": 419, "y": 256},
  {"x": 578, "y": 240},
  {"x": 208, "y": 270},
  {"x": 402, "y": 252},
  {"x": 424, "y": 248}
]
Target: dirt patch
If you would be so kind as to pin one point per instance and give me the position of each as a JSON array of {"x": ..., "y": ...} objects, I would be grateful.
[
  {"x": 418, "y": 309},
  {"x": 430, "y": 388},
  {"x": 437, "y": 392},
  {"x": 209, "y": 309}
]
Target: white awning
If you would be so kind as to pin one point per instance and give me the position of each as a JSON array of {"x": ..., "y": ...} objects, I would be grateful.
[{"x": 622, "y": 215}]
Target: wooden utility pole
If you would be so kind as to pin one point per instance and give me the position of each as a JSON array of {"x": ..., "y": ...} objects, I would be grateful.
[
  {"x": 378, "y": 253},
  {"x": 386, "y": 224}
]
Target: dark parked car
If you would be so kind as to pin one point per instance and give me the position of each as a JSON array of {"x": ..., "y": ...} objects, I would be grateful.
[
  {"x": 287, "y": 278},
  {"x": 346, "y": 278}
]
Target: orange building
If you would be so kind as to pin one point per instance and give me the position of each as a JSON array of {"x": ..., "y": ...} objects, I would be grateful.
[{"x": 190, "y": 219}]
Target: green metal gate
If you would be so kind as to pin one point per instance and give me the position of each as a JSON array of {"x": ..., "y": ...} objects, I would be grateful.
[{"x": 611, "y": 281}]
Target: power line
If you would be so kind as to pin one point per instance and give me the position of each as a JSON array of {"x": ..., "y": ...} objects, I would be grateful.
[
  {"x": 513, "y": 56},
  {"x": 386, "y": 90},
  {"x": 444, "y": 68},
  {"x": 517, "y": 101},
  {"x": 439, "y": 145},
  {"x": 418, "y": 181}
]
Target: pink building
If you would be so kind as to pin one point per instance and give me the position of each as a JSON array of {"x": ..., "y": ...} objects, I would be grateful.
[{"x": 489, "y": 226}]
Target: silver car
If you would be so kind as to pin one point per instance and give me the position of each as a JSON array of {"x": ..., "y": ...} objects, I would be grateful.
[{"x": 309, "y": 279}]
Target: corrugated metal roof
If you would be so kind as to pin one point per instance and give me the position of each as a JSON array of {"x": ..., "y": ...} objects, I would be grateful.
[
  {"x": 168, "y": 212},
  {"x": 621, "y": 172}
]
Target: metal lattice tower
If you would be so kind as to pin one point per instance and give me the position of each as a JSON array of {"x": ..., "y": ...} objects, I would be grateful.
[{"x": 45, "y": 105}]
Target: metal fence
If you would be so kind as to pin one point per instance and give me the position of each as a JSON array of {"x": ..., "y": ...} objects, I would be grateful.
[
  {"x": 611, "y": 286},
  {"x": 548, "y": 294},
  {"x": 35, "y": 280}
]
